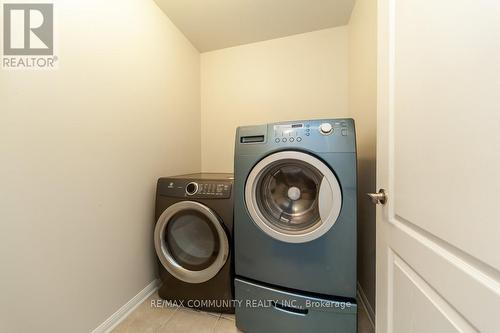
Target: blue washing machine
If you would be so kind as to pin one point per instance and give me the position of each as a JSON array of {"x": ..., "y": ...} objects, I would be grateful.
[{"x": 295, "y": 227}]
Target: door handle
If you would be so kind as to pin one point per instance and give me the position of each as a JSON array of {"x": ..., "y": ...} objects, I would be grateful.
[{"x": 378, "y": 198}]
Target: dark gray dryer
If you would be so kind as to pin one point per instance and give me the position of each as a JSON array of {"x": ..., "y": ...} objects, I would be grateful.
[{"x": 193, "y": 237}]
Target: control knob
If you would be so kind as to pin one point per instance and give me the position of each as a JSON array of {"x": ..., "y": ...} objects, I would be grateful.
[
  {"x": 326, "y": 128},
  {"x": 191, "y": 188}
]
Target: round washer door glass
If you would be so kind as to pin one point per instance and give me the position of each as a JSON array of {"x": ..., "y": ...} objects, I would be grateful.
[
  {"x": 293, "y": 197},
  {"x": 190, "y": 242}
]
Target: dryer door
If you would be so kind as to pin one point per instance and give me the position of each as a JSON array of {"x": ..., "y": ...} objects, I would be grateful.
[
  {"x": 293, "y": 197},
  {"x": 190, "y": 242}
]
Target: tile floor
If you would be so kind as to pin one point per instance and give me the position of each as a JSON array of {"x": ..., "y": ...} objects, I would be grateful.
[{"x": 147, "y": 319}]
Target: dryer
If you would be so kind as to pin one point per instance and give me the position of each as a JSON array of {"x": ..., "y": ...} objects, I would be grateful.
[
  {"x": 193, "y": 240},
  {"x": 295, "y": 225}
]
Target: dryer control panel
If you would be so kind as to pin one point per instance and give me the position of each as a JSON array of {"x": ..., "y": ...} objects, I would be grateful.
[
  {"x": 195, "y": 189},
  {"x": 208, "y": 189}
]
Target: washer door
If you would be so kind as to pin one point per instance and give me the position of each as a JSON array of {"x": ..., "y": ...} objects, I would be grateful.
[
  {"x": 191, "y": 242},
  {"x": 293, "y": 197}
]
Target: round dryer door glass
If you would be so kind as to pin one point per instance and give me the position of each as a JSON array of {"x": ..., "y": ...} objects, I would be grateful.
[
  {"x": 190, "y": 242},
  {"x": 293, "y": 196}
]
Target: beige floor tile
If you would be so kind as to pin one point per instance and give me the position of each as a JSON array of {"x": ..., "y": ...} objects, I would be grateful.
[
  {"x": 228, "y": 316},
  {"x": 190, "y": 321},
  {"x": 226, "y": 326},
  {"x": 145, "y": 319},
  {"x": 216, "y": 314}
]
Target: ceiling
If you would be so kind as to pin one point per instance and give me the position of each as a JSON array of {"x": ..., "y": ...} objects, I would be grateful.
[{"x": 216, "y": 24}]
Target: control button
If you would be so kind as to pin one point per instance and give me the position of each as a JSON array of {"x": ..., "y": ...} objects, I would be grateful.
[
  {"x": 326, "y": 128},
  {"x": 284, "y": 139},
  {"x": 191, "y": 188},
  {"x": 307, "y": 134},
  {"x": 277, "y": 140},
  {"x": 292, "y": 139},
  {"x": 299, "y": 139},
  {"x": 344, "y": 132}
]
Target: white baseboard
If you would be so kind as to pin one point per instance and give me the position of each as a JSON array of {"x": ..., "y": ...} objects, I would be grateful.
[
  {"x": 126, "y": 309},
  {"x": 364, "y": 302}
]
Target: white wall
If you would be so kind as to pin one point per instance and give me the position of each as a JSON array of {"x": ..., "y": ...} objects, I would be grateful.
[
  {"x": 298, "y": 77},
  {"x": 80, "y": 151},
  {"x": 363, "y": 108}
]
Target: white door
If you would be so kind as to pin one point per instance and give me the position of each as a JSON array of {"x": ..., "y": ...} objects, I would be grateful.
[{"x": 438, "y": 235}]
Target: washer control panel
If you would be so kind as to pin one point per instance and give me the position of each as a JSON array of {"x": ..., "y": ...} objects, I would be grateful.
[{"x": 303, "y": 131}]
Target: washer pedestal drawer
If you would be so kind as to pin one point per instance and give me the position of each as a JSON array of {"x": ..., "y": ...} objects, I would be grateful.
[{"x": 262, "y": 309}]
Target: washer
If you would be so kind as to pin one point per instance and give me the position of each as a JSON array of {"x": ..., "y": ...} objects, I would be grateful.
[
  {"x": 295, "y": 225},
  {"x": 193, "y": 240}
]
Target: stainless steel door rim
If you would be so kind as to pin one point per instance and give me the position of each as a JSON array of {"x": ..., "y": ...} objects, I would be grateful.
[
  {"x": 168, "y": 260},
  {"x": 329, "y": 197}
]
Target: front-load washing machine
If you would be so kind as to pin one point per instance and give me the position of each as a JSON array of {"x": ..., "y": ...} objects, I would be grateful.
[
  {"x": 295, "y": 226},
  {"x": 193, "y": 240}
]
